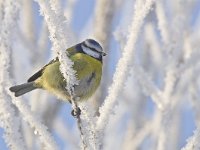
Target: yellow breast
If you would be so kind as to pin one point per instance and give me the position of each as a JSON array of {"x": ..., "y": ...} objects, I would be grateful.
[{"x": 88, "y": 72}]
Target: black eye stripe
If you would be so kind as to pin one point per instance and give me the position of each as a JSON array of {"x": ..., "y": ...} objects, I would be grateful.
[
  {"x": 79, "y": 49},
  {"x": 93, "y": 49}
]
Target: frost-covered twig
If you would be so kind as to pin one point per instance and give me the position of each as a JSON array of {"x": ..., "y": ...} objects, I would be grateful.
[
  {"x": 9, "y": 23},
  {"x": 29, "y": 28},
  {"x": 172, "y": 74},
  {"x": 139, "y": 137},
  {"x": 104, "y": 14},
  {"x": 68, "y": 12},
  {"x": 2, "y": 5},
  {"x": 88, "y": 122},
  {"x": 162, "y": 21},
  {"x": 34, "y": 122},
  {"x": 193, "y": 141},
  {"x": 103, "y": 21},
  {"x": 76, "y": 113},
  {"x": 9, "y": 121},
  {"x": 148, "y": 86},
  {"x": 123, "y": 65},
  {"x": 67, "y": 135},
  {"x": 52, "y": 13},
  {"x": 154, "y": 45},
  {"x": 55, "y": 22}
]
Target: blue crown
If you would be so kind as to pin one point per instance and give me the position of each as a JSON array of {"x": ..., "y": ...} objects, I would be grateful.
[{"x": 93, "y": 45}]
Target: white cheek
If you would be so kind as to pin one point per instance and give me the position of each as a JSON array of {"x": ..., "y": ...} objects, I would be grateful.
[{"x": 91, "y": 52}]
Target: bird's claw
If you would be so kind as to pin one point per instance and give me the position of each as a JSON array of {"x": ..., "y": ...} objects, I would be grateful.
[{"x": 76, "y": 112}]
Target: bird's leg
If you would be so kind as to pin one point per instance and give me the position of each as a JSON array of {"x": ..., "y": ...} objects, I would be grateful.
[{"x": 76, "y": 112}]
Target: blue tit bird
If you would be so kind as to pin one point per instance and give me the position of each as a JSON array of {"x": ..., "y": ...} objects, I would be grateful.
[{"x": 87, "y": 57}]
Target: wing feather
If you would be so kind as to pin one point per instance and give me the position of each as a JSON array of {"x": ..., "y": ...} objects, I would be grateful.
[
  {"x": 71, "y": 52},
  {"x": 39, "y": 73}
]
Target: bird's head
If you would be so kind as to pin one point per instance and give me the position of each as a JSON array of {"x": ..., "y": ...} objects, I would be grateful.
[{"x": 92, "y": 48}]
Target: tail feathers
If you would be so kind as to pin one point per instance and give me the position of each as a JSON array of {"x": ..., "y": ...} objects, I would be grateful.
[{"x": 23, "y": 88}]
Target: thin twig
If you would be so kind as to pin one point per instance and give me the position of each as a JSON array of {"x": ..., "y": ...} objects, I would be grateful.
[{"x": 76, "y": 114}]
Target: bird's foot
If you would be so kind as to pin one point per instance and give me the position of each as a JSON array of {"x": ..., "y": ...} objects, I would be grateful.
[{"x": 76, "y": 112}]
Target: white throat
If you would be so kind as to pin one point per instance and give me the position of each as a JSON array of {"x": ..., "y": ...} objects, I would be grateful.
[{"x": 91, "y": 52}]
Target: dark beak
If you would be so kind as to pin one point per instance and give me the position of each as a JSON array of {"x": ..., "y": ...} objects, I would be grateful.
[{"x": 103, "y": 54}]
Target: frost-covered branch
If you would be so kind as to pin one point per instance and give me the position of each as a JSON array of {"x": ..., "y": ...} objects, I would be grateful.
[
  {"x": 88, "y": 122},
  {"x": 69, "y": 9},
  {"x": 10, "y": 122},
  {"x": 103, "y": 19},
  {"x": 193, "y": 141},
  {"x": 172, "y": 76},
  {"x": 9, "y": 24},
  {"x": 148, "y": 86},
  {"x": 123, "y": 65},
  {"x": 35, "y": 123},
  {"x": 56, "y": 22},
  {"x": 29, "y": 27},
  {"x": 162, "y": 21}
]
